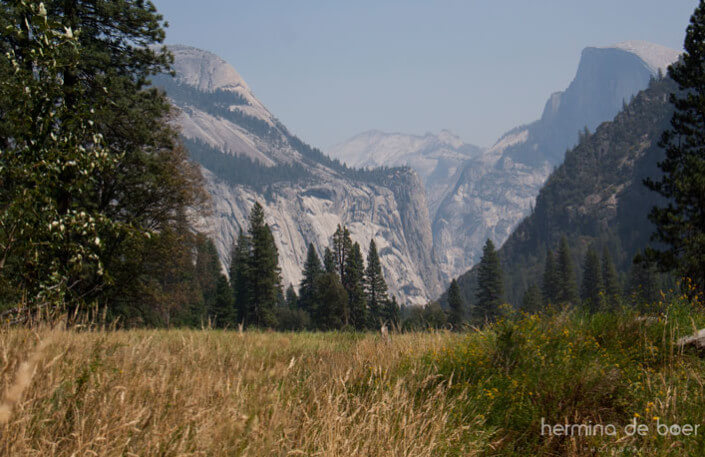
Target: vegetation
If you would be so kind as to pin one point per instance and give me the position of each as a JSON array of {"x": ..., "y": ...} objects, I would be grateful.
[{"x": 680, "y": 225}]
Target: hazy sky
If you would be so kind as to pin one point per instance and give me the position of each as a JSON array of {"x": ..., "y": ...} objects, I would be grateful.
[{"x": 331, "y": 69}]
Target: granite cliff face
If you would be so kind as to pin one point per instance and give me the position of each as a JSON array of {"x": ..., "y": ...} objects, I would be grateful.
[
  {"x": 247, "y": 155},
  {"x": 486, "y": 193}
]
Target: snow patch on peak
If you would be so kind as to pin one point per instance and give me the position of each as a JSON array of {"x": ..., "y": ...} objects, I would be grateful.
[{"x": 655, "y": 56}]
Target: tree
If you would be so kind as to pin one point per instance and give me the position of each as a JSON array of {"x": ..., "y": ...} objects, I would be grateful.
[
  {"x": 329, "y": 263},
  {"x": 307, "y": 289},
  {"x": 264, "y": 278},
  {"x": 292, "y": 300},
  {"x": 240, "y": 275},
  {"x": 551, "y": 280},
  {"x": 568, "y": 286},
  {"x": 610, "y": 279},
  {"x": 207, "y": 275},
  {"x": 391, "y": 312},
  {"x": 680, "y": 225},
  {"x": 490, "y": 286},
  {"x": 342, "y": 245},
  {"x": 592, "y": 289},
  {"x": 119, "y": 173},
  {"x": 375, "y": 286},
  {"x": 354, "y": 284},
  {"x": 643, "y": 286},
  {"x": 331, "y": 302},
  {"x": 456, "y": 317},
  {"x": 222, "y": 312},
  {"x": 532, "y": 300}
]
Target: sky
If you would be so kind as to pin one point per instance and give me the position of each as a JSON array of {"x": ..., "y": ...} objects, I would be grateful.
[{"x": 331, "y": 69}]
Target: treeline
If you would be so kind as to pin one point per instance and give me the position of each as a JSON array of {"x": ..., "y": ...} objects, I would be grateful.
[{"x": 342, "y": 291}]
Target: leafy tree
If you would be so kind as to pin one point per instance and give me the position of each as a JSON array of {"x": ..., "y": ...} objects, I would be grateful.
[
  {"x": 610, "y": 279},
  {"x": 680, "y": 226},
  {"x": 551, "y": 280},
  {"x": 354, "y": 284},
  {"x": 264, "y": 278},
  {"x": 331, "y": 302},
  {"x": 490, "y": 285},
  {"x": 592, "y": 289},
  {"x": 568, "y": 286},
  {"x": 456, "y": 317},
  {"x": 375, "y": 286},
  {"x": 240, "y": 275},
  {"x": 532, "y": 299},
  {"x": 307, "y": 290}
]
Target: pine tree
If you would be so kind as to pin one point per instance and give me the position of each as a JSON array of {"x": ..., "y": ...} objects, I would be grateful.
[
  {"x": 307, "y": 289},
  {"x": 354, "y": 284},
  {"x": 222, "y": 312},
  {"x": 680, "y": 225},
  {"x": 375, "y": 286},
  {"x": 342, "y": 245},
  {"x": 207, "y": 274},
  {"x": 551, "y": 280},
  {"x": 292, "y": 300},
  {"x": 264, "y": 279},
  {"x": 240, "y": 276},
  {"x": 643, "y": 286},
  {"x": 532, "y": 300},
  {"x": 490, "y": 284},
  {"x": 456, "y": 317},
  {"x": 592, "y": 289},
  {"x": 610, "y": 280},
  {"x": 391, "y": 312},
  {"x": 568, "y": 286},
  {"x": 331, "y": 302},
  {"x": 329, "y": 263}
]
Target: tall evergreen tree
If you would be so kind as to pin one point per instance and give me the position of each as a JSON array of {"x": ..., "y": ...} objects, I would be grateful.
[
  {"x": 592, "y": 289},
  {"x": 207, "y": 274},
  {"x": 391, "y": 312},
  {"x": 222, "y": 312},
  {"x": 292, "y": 300},
  {"x": 307, "y": 289},
  {"x": 551, "y": 280},
  {"x": 490, "y": 284},
  {"x": 354, "y": 284},
  {"x": 240, "y": 275},
  {"x": 456, "y": 317},
  {"x": 610, "y": 279},
  {"x": 680, "y": 225},
  {"x": 568, "y": 286},
  {"x": 329, "y": 263},
  {"x": 532, "y": 300},
  {"x": 263, "y": 272},
  {"x": 375, "y": 286},
  {"x": 342, "y": 245},
  {"x": 643, "y": 286},
  {"x": 331, "y": 302}
]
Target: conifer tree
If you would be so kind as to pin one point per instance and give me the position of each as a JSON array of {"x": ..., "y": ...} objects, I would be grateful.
[
  {"x": 354, "y": 284},
  {"x": 680, "y": 225},
  {"x": 292, "y": 300},
  {"x": 592, "y": 289},
  {"x": 264, "y": 279},
  {"x": 643, "y": 286},
  {"x": 307, "y": 289},
  {"x": 207, "y": 274},
  {"x": 375, "y": 286},
  {"x": 342, "y": 245},
  {"x": 568, "y": 286},
  {"x": 222, "y": 312},
  {"x": 456, "y": 317},
  {"x": 240, "y": 275},
  {"x": 391, "y": 312},
  {"x": 331, "y": 302},
  {"x": 551, "y": 280},
  {"x": 532, "y": 300},
  {"x": 490, "y": 284},
  {"x": 329, "y": 263},
  {"x": 610, "y": 279}
]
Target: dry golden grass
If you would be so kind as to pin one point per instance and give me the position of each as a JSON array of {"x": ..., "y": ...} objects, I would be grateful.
[{"x": 213, "y": 393}]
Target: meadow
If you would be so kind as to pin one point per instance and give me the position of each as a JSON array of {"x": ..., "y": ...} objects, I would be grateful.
[{"x": 95, "y": 392}]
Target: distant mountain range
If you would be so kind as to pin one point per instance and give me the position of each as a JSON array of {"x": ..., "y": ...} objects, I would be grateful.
[
  {"x": 474, "y": 194},
  {"x": 247, "y": 155}
]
